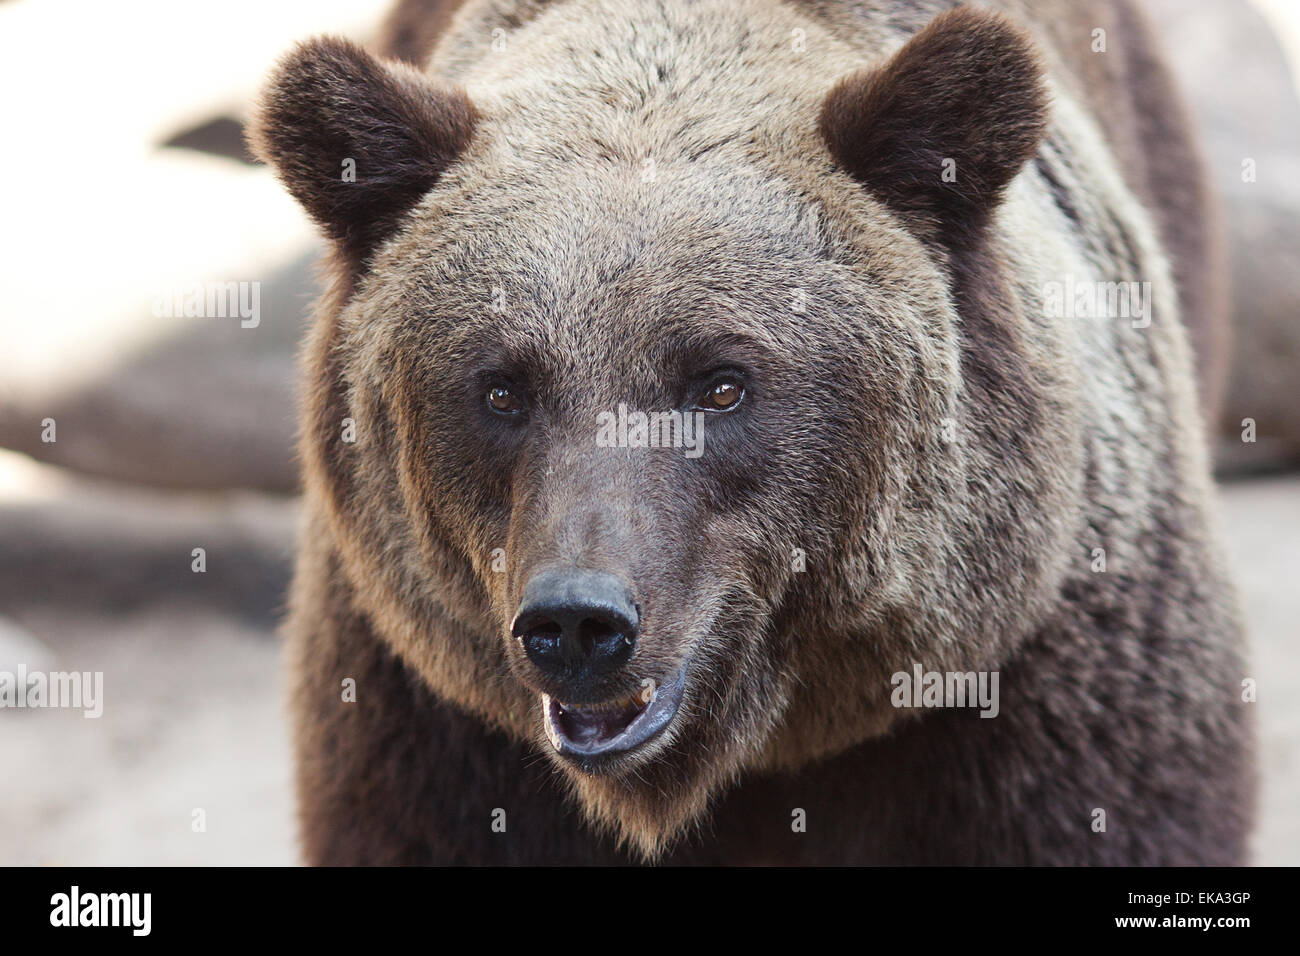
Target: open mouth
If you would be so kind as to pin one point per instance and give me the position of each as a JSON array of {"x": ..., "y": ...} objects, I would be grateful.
[{"x": 618, "y": 726}]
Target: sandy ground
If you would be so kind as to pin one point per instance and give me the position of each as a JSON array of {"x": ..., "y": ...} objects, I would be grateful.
[
  {"x": 192, "y": 721},
  {"x": 1262, "y": 532},
  {"x": 193, "y": 688},
  {"x": 95, "y": 577}
]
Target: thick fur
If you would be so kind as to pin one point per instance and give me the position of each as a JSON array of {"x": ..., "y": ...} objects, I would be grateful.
[
  {"x": 945, "y": 455},
  {"x": 333, "y": 104}
]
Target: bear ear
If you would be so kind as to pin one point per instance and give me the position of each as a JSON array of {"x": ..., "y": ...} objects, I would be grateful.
[
  {"x": 938, "y": 131},
  {"x": 357, "y": 141}
]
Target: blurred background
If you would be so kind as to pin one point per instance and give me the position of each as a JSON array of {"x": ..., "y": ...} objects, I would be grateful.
[{"x": 129, "y": 183}]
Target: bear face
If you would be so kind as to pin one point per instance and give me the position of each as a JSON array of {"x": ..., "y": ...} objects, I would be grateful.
[
  {"x": 708, "y": 546},
  {"x": 887, "y": 465}
]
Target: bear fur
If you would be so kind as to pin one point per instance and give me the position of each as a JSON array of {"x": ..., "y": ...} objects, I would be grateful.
[{"x": 602, "y": 202}]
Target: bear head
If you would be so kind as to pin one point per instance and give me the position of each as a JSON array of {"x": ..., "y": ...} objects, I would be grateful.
[{"x": 687, "y": 381}]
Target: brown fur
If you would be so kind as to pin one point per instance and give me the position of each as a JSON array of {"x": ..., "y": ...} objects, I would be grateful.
[
  {"x": 777, "y": 171},
  {"x": 401, "y": 134},
  {"x": 1130, "y": 87},
  {"x": 413, "y": 27}
]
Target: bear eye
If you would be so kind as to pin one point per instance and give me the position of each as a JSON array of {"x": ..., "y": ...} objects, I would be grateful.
[
  {"x": 503, "y": 401},
  {"x": 721, "y": 396}
]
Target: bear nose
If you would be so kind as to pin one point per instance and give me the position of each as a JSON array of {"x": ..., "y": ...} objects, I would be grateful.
[{"x": 576, "y": 624}]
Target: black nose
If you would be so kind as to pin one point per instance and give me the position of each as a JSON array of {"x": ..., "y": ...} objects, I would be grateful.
[{"x": 576, "y": 625}]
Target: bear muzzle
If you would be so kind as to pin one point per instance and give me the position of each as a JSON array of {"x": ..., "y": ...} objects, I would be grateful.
[{"x": 578, "y": 629}]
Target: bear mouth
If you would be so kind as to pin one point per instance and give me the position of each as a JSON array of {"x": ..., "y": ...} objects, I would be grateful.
[{"x": 616, "y": 727}]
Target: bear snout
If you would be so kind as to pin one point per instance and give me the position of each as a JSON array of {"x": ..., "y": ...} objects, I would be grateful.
[{"x": 577, "y": 627}]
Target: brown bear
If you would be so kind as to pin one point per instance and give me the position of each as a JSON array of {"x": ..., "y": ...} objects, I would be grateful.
[{"x": 695, "y": 376}]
